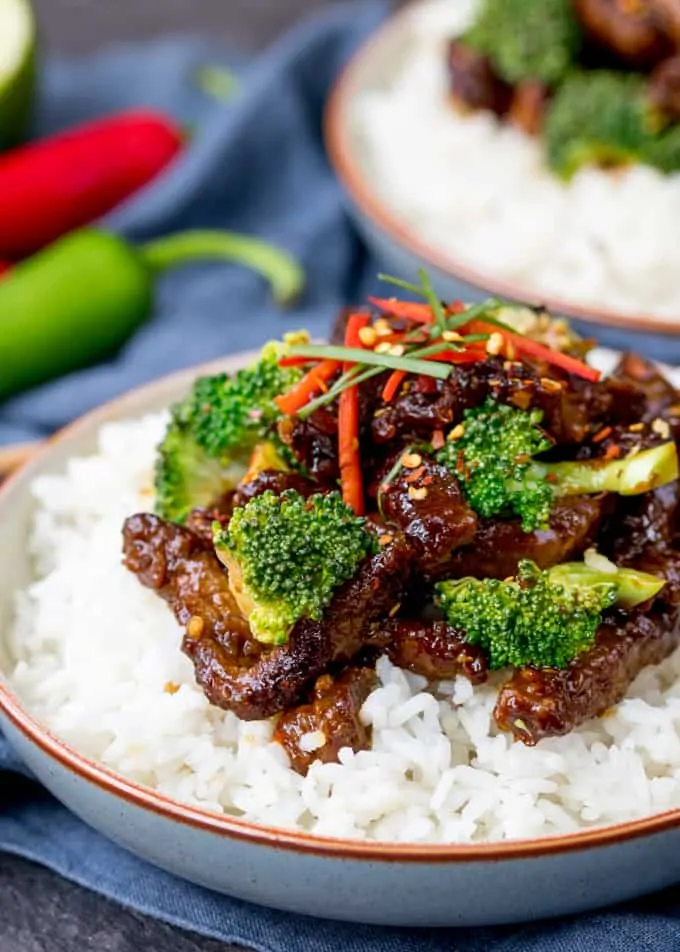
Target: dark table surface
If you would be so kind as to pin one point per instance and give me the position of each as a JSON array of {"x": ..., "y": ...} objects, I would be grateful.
[{"x": 40, "y": 912}]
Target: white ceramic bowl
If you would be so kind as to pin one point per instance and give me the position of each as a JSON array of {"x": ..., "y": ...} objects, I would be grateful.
[
  {"x": 395, "y": 884},
  {"x": 400, "y": 247}
]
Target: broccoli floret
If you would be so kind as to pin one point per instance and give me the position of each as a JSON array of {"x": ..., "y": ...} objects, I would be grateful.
[
  {"x": 605, "y": 118},
  {"x": 540, "y": 618},
  {"x": 214, "y": 430},
  {"x": 286, "y": 555},
  {"x": 493, "y": 455},
  {"x": 493, "y": 458},
  {"x": 527, "y": 40}
]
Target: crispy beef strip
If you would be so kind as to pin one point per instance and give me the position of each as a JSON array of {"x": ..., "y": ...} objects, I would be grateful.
[
  {"x": 235, "y": 671},
  {"x": 661, "y": 399},
  {"x": 333, "y": 711},
  {"x": 429, "y": 507},
  {"x": 629, "y": 31},
  {"x": 200, "y": 520},
  {"x": 500, "y": 544},
  {"x": 431, "y": 648},
  {"x": 664, "y": 88},
  {"x": 545, "y": 702},
  {"x": 473, "y": 81}
]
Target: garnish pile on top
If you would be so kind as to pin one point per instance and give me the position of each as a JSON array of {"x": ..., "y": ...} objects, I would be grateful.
[{"x": 598, "y": 80}]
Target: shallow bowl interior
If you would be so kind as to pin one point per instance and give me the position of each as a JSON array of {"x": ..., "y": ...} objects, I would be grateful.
[{"x": 400, "y": 884}]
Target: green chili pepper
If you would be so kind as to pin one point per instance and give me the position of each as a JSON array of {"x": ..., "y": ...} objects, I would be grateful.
[{"x": 82, "y": 297}]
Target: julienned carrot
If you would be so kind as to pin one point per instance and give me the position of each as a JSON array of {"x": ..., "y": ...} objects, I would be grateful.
[
  {"x": 311, "y": 383},
  {"x": 348, "y": 426},
  {"x": 532, "y": 348},
  {"x": 394, "y": 381}
]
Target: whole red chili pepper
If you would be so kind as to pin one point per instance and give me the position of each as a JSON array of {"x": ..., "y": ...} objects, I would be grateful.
[{"x": 55, "y": 185}]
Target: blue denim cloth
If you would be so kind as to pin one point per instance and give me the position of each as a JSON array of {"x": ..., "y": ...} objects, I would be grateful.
[{"x": 256, "y": 165}]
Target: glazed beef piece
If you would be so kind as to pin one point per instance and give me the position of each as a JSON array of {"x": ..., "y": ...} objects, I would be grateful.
[
  {"x": 314, "y": 443},
  {"x": 629, "y": 31},
  {"x": 473, "y": 81},
  {"x": 333, "y": 714},
  {"x": 431, "y": 648},
  {"x": 428, "y": 505},
  {"x": 538, "y": 703},
  {"x": 500, "y": 544},
  {"x": 572, "y": 407},
  {"x": 235, "y": 671},
  {"x": 270, "y": 480},
  {"x": 200, "y": 520},
  {"x": 660, "y": 397},
  {"x": 664, "y": 88}
]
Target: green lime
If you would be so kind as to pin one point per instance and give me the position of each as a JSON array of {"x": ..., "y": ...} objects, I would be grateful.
[{"x": 17, "y": 69}]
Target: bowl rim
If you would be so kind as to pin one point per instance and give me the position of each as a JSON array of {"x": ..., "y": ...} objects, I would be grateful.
[
  {"x": 109, "y": 781},
  {"x": 356, "y": 183}
]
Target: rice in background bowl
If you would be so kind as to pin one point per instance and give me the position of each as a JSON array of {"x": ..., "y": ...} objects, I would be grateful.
[{"x": 478, "y": 191}]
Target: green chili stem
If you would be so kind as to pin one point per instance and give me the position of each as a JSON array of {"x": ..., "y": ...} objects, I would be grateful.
[{"x": 282, "y": 271}]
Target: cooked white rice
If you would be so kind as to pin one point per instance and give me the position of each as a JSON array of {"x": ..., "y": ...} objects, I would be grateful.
[
  {"x": 98, "y": 660},
  {"x": 480, "y": 191}
]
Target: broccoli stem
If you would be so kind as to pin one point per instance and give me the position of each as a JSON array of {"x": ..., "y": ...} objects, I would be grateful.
[
  {"x": 632, "y": 587},
  {"x": 630, "y": 476}
]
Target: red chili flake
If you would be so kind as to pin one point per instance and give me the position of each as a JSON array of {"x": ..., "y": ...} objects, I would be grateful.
[
  {"x": 414, "y": 475},
  {"x": 438, "y": 440},
  {"x": 427, "y": 480},
  {"x": 602, "y": 435},
  {"x": 460, "y": 462},
  {"x": 551, "y": 478},
  {"x": 612, "y": 452}
]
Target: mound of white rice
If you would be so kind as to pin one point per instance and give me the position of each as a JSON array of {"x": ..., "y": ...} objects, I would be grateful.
[
  {"x": 98, "y": 660},
  {"x": 480, "y": 191}
]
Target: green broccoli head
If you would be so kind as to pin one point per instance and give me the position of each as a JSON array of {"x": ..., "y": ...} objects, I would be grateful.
[
  {"x": 286, "y": 556},
  {"x": 605, "y": 118},
  {"x": 213, "y": 431},
  {"x": 493, "y": 458},
  {"x": 494, "y": 454},
  {"x": 527, "y": 40},
  {"x": 541, "y": 619}
]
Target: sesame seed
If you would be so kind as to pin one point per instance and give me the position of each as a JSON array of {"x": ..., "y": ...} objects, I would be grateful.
[
  {"x": 382, "y": 348},
  {"x": 552, "y": 386},
  {"x": 411, "y": 460},
  {"x": 494, "y": 345},
  {"x": 170, "y": 687},
  {"x": 417, "y": 493},
  {"x": 368, "y": 336},
  {"x": 384, "y": 539},
  {"x": 394, "y": 609},
  {"x": 636, "y": 428},
  {"x": 451, "y": 336},
  {"x": 382, "y": 327},
  {"x": 456, "y": 432},
  {"x": 661, "y": 428},
  {"x": 396, "y": 350}
]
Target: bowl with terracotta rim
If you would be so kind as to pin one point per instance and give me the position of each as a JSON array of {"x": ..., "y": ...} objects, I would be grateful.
[
  {"x": 360, "y": 881},
  {"x": 402, "y": 250}
]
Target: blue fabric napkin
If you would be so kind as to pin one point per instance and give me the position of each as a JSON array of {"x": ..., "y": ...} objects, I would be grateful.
[{"x": 257, "y": 165}]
